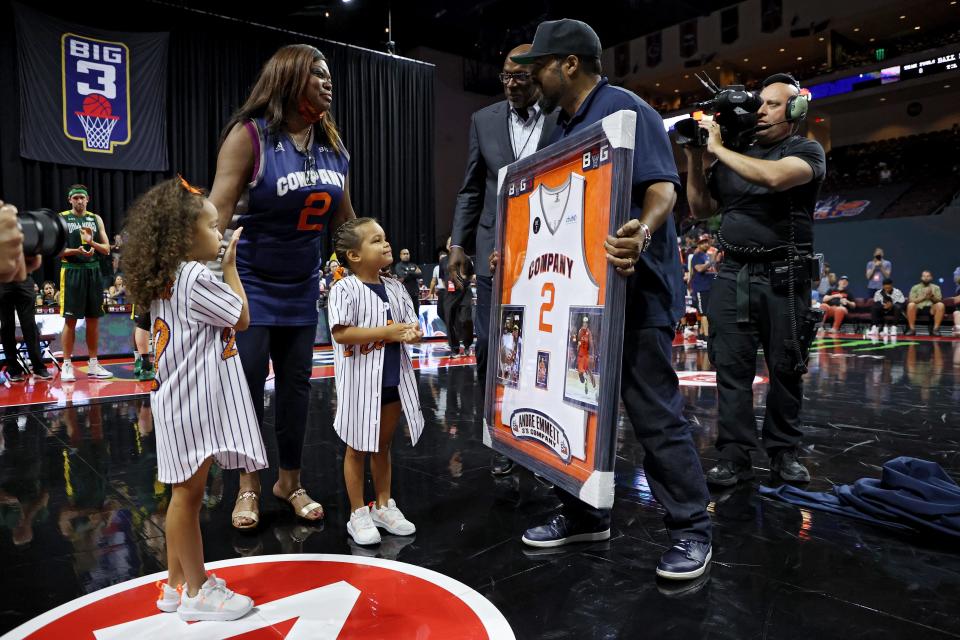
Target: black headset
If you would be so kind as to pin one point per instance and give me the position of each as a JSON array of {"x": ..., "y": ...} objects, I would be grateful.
[{"x": 798, "y": 105}]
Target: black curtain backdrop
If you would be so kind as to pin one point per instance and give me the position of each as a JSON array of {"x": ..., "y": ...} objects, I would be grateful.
[{"x": 383, "y": 105}]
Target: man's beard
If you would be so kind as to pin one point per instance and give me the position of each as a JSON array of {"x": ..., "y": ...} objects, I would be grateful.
[{"x": 548, "y": 103}]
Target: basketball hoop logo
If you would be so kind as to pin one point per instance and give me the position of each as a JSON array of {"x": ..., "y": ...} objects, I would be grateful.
[{"x": 96, "y": 95}]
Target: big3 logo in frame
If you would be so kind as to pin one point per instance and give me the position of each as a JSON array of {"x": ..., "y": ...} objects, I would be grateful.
[{"x": 96, "y": 92}]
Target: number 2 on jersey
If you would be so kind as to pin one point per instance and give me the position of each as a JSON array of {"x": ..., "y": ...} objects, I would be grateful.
[
  {"x": 161, "y": 338},
  {"x": 315, "y": 206},
  {"x": 229, "y": 338},
  {"x": 547, "y": 306}
]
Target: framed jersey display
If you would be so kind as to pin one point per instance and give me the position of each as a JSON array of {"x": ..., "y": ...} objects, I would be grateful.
[{"x": 556, "y": 333}]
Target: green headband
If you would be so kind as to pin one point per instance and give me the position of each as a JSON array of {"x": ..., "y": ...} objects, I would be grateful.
[{"x": 74, "y": 192}]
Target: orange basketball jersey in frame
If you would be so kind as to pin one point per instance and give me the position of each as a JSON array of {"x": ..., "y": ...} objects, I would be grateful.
[{"x": 552, "y": 259}]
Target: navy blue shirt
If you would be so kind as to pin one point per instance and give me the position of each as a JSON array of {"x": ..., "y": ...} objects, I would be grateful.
[
  {"x": 700, "y": 281},
  {"x": 655, "y": 290},
  {"x": 391, "y": 354}
]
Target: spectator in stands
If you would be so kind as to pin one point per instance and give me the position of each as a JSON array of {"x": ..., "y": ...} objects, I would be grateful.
[
  {"x": 888, "y": 303},
  {"x": 409, "y": 275},
  {"x": 956, "y": 301},
  {"x": 330, "y": 273},
  {"x": 118, "y": 291},
  {"x": 51, "y": 297},
  {"x": 926, "y": 299},
  {"x": 827, "y": 282},
  {"x": 438, "y": 287},
  {"x": 886, "y": 176},
  {"x": 878, "y": 270},
  {"x": 115, "y": 248},
  {"x": 703, "y": 270},
  {"x": 837, "y": 304}
]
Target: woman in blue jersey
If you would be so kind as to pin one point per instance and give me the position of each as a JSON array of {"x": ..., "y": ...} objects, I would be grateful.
[{"x": 281, "y": 156}]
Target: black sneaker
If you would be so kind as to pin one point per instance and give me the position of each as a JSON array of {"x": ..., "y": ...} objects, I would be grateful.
[
  {"x": 500, "y": 465},
  {"x": 15, "y": 377},
  {"x": 561, "y": 530},
  {"x": 43, "y": 374},
  {"x": 727, "y": 473},
  {"x": 910, "y": 332},
  {"x": 685, "y": 560},
  {"x": 786, "y": 465}
]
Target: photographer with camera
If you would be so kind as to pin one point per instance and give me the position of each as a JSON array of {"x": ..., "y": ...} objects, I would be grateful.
[
  {"x": 17, "y": 295},
  {"x": 14, "y": 266},
  {"x": 878, "y": 270},
  {"x": 767, "y": 194},
  {"x": 81, "y": 293}
]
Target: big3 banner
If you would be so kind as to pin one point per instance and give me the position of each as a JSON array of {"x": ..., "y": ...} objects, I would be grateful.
[{"x": 91, "y": 97}]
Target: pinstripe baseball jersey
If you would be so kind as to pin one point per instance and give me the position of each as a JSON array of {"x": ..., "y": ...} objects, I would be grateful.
[
  {"x": 200, "y": 399},
  {"x": 359, "y": 368}
]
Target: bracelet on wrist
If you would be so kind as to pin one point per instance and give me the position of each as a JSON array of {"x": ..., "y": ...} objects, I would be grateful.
[{"x": 647, "y": 237}]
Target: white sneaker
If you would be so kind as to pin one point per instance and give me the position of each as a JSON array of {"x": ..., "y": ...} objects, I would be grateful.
[
  {"x": 886, "y": 331},
  {"x": 392, "y": 519},
  {"x": 893, "y": 330},
  {"x": 874, "y": 331},
  {"x": 97, "y": 371},
  {"x": 361, "y": 527},
  {"x": 66, "y": 374},
  {"x": 214, "y": 601},
  {"x": 169, "y": 599}
]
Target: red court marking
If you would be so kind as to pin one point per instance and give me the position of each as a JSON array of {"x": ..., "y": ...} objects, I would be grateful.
[
  {"x": 124, "y": 385},
  {"x": 393, "y": 600}
]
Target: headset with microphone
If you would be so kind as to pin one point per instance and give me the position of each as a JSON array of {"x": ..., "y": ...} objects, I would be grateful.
[{"x": 797, "y": 106}]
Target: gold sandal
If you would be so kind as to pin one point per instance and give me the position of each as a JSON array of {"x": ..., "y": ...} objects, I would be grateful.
[
  {"x": 304, "y": 510},
  {"x": 246, "y": 513}
]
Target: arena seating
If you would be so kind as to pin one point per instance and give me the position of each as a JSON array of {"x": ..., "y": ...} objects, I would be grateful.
[{"x": 858, "y": 319}]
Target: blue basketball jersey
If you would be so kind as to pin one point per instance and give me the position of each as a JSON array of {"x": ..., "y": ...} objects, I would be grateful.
[{"x": 291, "y": 201}]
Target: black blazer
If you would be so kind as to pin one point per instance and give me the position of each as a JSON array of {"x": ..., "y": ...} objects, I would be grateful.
[{"x": 475, "y": 215}]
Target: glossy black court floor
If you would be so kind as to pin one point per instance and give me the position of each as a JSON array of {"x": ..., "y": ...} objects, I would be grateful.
[{"x": 80, "y": 510}]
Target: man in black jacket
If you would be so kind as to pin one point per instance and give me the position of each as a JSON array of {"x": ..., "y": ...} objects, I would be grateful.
[{"x": 499, "y": 135}]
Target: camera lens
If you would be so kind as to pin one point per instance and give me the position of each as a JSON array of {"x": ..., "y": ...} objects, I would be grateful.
[{"x": 44, "y": 233}]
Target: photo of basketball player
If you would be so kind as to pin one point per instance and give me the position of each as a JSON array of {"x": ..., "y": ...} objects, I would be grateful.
[
  {"x": 543, "y": 368},
  {"x": 511, "y": 341},
  {"x": 582, "y": 381}
]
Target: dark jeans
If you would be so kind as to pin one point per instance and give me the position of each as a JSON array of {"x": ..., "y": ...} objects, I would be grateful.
[
  {"x": 19, "y": 297},
  {"x": 413, "y": 290},
  {"x": 291, "y": 350},
  {"x": 733, "y": 350},
  {"x": 482, "y": 325},
  {"x": 651, "y": 395},
  {"x": 459, "y": 318},
  {"x": 877, "y": 313}
]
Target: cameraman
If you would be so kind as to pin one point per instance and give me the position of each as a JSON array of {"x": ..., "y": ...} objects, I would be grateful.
[
  {"x": 13, "y": 266},
  {"x": 767, "y": 196}
]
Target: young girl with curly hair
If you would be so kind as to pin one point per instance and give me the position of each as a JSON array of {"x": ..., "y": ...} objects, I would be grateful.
[{"x": 201, "y": 403}]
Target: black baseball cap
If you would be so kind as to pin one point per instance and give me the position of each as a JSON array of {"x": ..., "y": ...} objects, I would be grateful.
[{"x": 562, "y": 37}]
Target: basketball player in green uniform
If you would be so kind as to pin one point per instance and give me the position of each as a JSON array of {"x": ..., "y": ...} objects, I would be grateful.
[{"x": 81, "y": 292}]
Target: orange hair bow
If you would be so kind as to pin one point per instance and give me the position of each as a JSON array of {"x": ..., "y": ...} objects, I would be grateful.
[{"x": 189, "y": 187}]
